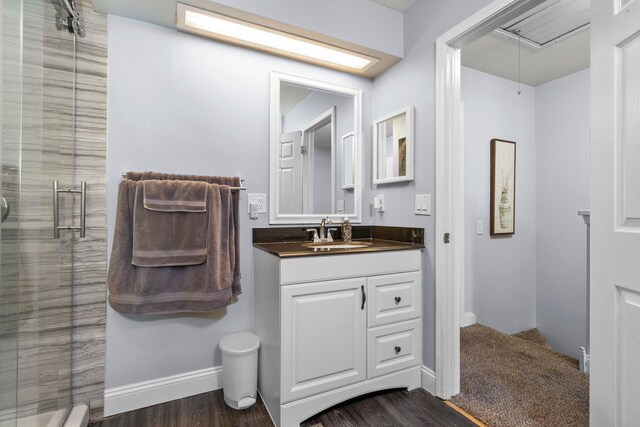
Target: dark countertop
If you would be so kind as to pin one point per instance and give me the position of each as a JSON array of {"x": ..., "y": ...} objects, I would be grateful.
[
  {"x": 296, "y": 249},
  {"x": 288, "y": 242}
]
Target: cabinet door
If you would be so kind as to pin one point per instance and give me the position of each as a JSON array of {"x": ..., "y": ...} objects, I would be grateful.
[
  {"x": 323, "y": 337},
  {"x": 394, "y": 298}
]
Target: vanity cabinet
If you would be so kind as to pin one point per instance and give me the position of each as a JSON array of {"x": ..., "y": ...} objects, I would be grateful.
[{"x": 333, "y": 327}]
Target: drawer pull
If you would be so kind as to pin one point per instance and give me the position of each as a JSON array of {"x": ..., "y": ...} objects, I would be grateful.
[
  {"x": 397, "y": 349},
  {"x": 398, "y": 299},
  {"x": 364, "y": 297}
]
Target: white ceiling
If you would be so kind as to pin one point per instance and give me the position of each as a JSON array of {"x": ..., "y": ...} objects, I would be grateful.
[
  {"x": 292, "y": 95},
  {"x": 557, "y": 25},
  {"x": 399, "y": 5}
]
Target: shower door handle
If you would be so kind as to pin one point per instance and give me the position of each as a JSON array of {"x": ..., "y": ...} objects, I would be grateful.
[
  {"x": 56, "y": 209},
  {"x": 6, "y": 208}
]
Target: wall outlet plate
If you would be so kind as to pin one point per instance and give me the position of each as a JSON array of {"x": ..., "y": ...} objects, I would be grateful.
[
  {"x": 378, "y": 202},
  {"x": 423, "y": 204},
  {"x": 258, "y": 199}
]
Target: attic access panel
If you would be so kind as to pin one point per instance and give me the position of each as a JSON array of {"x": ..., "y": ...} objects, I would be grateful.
[{"x": 551, "y": 20}]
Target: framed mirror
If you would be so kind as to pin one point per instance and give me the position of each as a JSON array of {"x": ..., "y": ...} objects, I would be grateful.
[
  {"x": 315, "y": 162},
  {"x": 393, "y": 147}
]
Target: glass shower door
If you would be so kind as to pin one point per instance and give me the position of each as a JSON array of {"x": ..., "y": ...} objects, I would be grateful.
[{"x": 38, "y": 85}]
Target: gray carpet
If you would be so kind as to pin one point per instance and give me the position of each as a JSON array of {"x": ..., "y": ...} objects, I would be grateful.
[{"x": 507, "y": 381}]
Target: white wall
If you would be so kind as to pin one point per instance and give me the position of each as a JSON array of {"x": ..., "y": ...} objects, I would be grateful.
[
  {"x": 500, "y": 271},
  {"x": 184, "y": 104},
  {"x": 562, "y": 154},
  {"x": 411, "y": 82},
  {"x": 537, "y": 278}
]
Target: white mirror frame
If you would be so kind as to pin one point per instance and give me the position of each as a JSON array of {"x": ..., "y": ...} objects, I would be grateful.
[
  {"x": 352, "y": 166},
  {"x": 275, "y": 217},
  {"x": 409, "y": 124}
]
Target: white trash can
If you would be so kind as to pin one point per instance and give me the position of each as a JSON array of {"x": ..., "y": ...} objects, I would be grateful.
[{"x": 240, "y": 369}]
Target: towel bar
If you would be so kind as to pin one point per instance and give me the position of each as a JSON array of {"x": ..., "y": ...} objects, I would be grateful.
[{"x": 124, "y": 175}]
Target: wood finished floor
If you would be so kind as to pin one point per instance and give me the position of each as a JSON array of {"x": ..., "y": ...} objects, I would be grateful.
[{"x": 388, "y": 408}]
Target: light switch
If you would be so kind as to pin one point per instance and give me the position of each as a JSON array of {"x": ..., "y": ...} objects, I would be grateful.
[
  {"x": 479, "y": 227},
  {"x": 423, "y": 204},
  {"x": 378, "y": 202},
  {"x": 340, "y": 206}
]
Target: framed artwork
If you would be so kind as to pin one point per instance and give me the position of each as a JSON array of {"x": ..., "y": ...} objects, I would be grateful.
[{"x": 503, "y": 187}]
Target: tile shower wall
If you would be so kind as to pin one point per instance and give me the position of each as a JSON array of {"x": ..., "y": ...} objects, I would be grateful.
[
  {"x": 89, "y": 257},
  {"x": 53, "y": 291}
]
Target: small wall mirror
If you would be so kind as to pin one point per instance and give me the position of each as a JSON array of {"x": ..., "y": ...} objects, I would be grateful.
[
  {"x": 315, "y": 162},
  {"x": 393, "y": 147}
]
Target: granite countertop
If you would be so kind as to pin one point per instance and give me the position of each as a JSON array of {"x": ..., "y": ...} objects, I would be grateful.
[{"x": 291, "y": 241}]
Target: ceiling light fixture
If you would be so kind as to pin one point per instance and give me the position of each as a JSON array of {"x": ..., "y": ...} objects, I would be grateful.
[{"x": 247, "y": 34}]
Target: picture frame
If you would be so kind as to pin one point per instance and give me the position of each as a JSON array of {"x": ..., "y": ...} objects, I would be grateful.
[{"x": 503, "y": 187}]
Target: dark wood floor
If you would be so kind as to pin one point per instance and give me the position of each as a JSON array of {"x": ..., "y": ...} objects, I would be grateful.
[{"x": 389, "y": 408}]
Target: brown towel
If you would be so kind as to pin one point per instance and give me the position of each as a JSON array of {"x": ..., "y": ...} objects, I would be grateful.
[
  {"x": 170, "y": 223},
  {"x": 235, "y": 206},
  {"x": 203, "y": 287},
  {"x": 167, "y": 235},
  {"x": 175, "y": 196}
]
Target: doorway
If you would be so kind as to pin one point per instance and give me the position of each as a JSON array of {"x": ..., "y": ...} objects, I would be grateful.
[{"x": 454, "y": 221}]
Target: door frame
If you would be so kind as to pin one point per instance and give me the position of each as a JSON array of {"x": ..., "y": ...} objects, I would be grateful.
[
  {"x": 450, "y": 184},
  {"x": 328, "y": 116}
]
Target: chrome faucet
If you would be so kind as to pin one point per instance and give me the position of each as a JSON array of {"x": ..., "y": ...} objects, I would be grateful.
[{"x": 325, "y": 233}]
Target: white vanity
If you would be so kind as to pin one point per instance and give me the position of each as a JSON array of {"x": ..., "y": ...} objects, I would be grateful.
[{"x": 333, "y": 327}]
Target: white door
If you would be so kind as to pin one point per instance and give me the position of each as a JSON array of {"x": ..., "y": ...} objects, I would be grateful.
[
  {"x": 290, "y": 172},
  {"x": 323, "y": 335},
  {"x": 615, "y": 213}
]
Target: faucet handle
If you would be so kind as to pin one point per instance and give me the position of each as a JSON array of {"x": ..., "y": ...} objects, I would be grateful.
[
  {"x": 329, "y": 235},
  {"x": 316, "y": 239}
]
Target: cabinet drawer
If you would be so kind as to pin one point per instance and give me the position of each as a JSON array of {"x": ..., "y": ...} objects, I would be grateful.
[
  {"x": 329, "y": 267},
  {"x": 393, "y": 347},
  {"x": 393, "y": 298}
]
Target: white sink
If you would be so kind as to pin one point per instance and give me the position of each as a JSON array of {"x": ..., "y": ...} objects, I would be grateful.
[{"x": 337, "y": 245}]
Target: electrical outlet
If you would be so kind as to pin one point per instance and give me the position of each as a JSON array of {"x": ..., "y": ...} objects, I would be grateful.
[{"x": 258, "y": 199}]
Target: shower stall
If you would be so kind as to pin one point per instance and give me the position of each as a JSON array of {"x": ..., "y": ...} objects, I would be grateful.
[{"x": 37, "y": 147}]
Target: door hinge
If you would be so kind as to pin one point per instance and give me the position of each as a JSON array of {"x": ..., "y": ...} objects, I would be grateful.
[
  {"x": 446, "y": 237},
  {"x": 304, "y": 150}
]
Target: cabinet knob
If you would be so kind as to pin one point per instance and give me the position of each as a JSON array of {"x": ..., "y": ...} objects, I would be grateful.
[
  {"x": 398, "y": 299},
  {"x": 397, "y": 349}
]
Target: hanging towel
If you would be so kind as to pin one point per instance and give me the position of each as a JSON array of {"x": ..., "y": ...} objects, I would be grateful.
[
  {"x": 175, "y": 196},
  {"x": 157, "y": 290},
  {"x": 170, "y": 223},
  {"x": 234, "y": 229}
]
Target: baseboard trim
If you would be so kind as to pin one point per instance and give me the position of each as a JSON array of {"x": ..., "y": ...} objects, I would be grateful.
[
  {"x": 469, "y": 319},
  {"x": 428, "y": 380},
  {"x": 147, "y": 393}
]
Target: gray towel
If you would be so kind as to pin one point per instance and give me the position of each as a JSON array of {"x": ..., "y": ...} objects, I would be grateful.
[
  {"x": 175, "y": 196},
  {"x": 170, "y": 223},
  {"x": 203, "y": 287}
]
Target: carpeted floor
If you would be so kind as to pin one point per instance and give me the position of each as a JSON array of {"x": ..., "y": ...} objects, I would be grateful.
[{"x": 509, "y": 381}]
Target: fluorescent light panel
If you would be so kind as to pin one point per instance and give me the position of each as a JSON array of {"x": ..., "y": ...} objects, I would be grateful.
[{"x": 252, "y": 35}]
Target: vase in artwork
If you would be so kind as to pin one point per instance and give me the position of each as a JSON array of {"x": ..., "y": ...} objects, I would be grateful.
[{"x": 504, "y": 209}]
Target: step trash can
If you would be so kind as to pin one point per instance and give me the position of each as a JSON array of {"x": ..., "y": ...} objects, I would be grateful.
[{"x": 240, "y": 369}]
